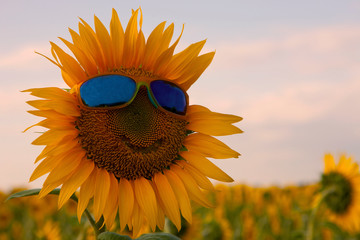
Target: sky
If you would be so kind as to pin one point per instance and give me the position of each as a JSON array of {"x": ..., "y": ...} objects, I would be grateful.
[{"x": 289, "y": 68}]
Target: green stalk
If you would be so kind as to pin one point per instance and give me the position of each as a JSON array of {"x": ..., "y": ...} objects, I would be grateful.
[
  {"x": 92, "y": 222},
  {"x": 311, "y": 223}
]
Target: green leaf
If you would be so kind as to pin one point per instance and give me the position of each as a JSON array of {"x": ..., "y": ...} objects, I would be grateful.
[
  {"x": 32, "y": 192},
  {"x": 158, "y": 236},
  {"x": 112, "y": 236}
]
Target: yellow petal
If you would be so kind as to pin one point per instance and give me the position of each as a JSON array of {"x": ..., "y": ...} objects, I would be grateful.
[
  {"x": 130, "y": 39},
  {"x": 205, "y": 166},
  {"x": 197, "y": 112},
  {"x": 160, "y": 217},
  {"x": 137, "y": 220},
  {"x": 126, "y": 202},
  {"x": 68, "y": 164},
  {"x": 87, "y": 190},
  {"x": 140, "y": 46},
  {"x": 209, "y": 146},
  {"x": 153, "y": 45},
  {"x": 192, "y": 188},
  {"x": 194, "y": 70},
  {"x": 181, "y": 194},
  {"x": 58, "y": 148},
  {"x": 91, "y": 44},
  {"x": 111, "y": 206},
  {"x": 102, "y": 187},
  {"x": 105, "y": 42},
  {"x": 63, "y": 107},
  {"x": 168, "y": 199},
  {"x": 329, "y": 163},
  {"x": 70, "y": 65},
  {"x": 87, "y": 63},
  {"x": 47, "y": 188},
  {"x": 145, "y": 196},
  {"x": 117, "y": 38},
  {"x": 50, "y": 93},
  {"x": 199, "y": 177},
  {"x": 180, "y": 61},
  {"x": 83, "y": 46},
  {"x": 53, "y": 136},
  {"x": 213, "y": 127},
  {"x": 74, "y": 182},
  {"x": 164, "y": 59},
  {"x": 47, "y": 165}
]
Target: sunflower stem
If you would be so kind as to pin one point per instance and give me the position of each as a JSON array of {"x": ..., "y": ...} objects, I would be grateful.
[
  {"x": 92, "y": 222},
  {"x": 311, "y": 223}
]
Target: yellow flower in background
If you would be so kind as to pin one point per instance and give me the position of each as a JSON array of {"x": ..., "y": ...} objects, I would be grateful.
[
  {"x": 342, "y": 183},
  {"x": 50, "y": 231},
  {"x": 124, "y": 133}
]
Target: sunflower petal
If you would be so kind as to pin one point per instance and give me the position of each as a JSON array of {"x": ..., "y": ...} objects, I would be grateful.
[
  {"x": 111, "y": 206},
  {"x": 199, "y": 177},
  {"x": 205, "y": 166},
  {"x": 117, "y": 38},
  {"x": 130, "y": 38},
  {"x": 164, "y": 59},
  {"x": 153, "y": 45},
  {"x": 145, "y": 196},
  {"x": 209, "y": 146},
  {"x": 68, "y": 164},
  {"x": 50, "y": 93},
  {"x": 92, "y": 45},
  {"x": 195, "y": 69},
  {"x": 53, "y": 136},
  {"x": 47, "y": 165},
  {"x": 181, "y": 194},
  {"x": 137, "y": 220},
  {"x": 213, "y": 127},
  {"x": 70, "y": 65},
  {"x": 86, "y": 192},
  {"x": 126, "y": 202},
  {"x": 74, "y": 182},
  {"x": 197, "y": 112},
  {"x": 181, "y": 60},
  {"x": 168, "y": 199},
  {"x": 191, "y": 186},
  {"x": 58, "y": 148},
  {"x": 329, "y": 163},
  {"x": 87, "y": 63},
  {"x": 102, "y": 187},
  {"x": 105, "y": 42}
]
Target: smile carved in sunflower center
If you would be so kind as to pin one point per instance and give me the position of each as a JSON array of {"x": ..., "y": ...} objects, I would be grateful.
[{"x": 138, "y": 140}]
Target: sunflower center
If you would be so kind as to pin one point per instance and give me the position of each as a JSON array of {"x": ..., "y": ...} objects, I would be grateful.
[
  {"x": 339, "y": 200},
  {"x": 138, "y": 140}
]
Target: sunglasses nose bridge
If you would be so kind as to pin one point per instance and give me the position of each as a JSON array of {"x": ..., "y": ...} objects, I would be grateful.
[{"x": 150, "y": 94}]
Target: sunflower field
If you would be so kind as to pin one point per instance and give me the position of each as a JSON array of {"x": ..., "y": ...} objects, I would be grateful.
[{"x": 239, "y": 212}]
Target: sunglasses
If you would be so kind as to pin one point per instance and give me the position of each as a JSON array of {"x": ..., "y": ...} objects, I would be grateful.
[{"x": 108, "y": 91}]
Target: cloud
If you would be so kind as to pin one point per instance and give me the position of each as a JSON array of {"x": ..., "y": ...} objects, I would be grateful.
[
  {"x": 23, "y": 57},
  {"x": 294, "y": 77},
  {"x": 300, "y": 103},
  {"x": 310, "y": 49}
]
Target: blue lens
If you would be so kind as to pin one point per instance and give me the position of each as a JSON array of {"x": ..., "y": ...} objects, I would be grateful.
[
  {"x": 107, "y": 91},
  {"x": 169, "y": 96}
]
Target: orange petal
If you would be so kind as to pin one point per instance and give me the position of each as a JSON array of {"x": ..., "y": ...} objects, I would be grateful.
[
  {"x": 145, "y": 196},
  {"x": 126, "y": 202},
  {"x": 168, "y": 199}
]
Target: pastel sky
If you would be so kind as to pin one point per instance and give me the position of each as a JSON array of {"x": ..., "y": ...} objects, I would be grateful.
[{"x": 291, "y": 69}]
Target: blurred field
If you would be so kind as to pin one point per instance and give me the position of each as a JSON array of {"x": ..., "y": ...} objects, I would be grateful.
[{"x": 241, "y": 212}]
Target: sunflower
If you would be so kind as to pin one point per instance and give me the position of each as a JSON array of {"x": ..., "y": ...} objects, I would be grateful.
[
  {"x": 341, "y": 192},
  {"x": 144, "y": 154}
]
